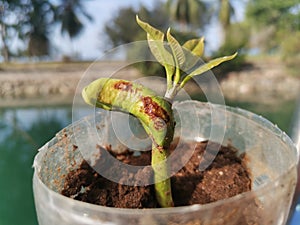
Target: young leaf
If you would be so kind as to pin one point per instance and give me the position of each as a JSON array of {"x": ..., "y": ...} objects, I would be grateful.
[
  {"x": 156, "y": 44},
  {"x": 193, "y": 49},
  {"x": 178, "y": 55},
  {"x": 195, "y": 46},
  {"x": 176, "y": 49},
  {"x": 154, "y": 33},
  {"x": 211, "y": 64}
]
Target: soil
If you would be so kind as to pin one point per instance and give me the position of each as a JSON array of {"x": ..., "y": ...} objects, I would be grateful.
[{"x": 226, "y": 176}]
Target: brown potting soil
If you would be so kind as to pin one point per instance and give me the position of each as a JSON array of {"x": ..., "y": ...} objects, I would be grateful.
[{"x": 225, "y": 177}]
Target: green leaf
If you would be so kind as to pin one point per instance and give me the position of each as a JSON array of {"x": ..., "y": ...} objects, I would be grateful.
[
  {"x": 156, "y": 44},
  {"x": 211, "y": 64},
  {"x": 154, "y": 33},
  {"x": 196, "y": 46},
  {"x": 193, "y": 50},
  {"x": 178, "y": 56},
  {"x": 176, "y": 49}
]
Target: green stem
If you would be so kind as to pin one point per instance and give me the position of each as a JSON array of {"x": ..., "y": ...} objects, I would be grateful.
[{"x": 161, "y": 176}]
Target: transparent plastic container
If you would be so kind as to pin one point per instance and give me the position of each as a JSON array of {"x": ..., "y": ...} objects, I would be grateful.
[{"x": 272, "y": 161}]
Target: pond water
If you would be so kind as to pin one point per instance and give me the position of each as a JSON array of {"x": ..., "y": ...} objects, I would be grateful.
[{"x": 24, "y": 130}]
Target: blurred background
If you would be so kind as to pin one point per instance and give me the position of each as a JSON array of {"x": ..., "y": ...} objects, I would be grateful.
[{"x": 46, "y": 46}]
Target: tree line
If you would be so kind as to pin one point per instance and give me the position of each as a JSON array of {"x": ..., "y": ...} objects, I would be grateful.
[
  {"x": 31, "y": 22},
  {"x": 271, "y": 27},
  {"x": 268, "y": 27}
]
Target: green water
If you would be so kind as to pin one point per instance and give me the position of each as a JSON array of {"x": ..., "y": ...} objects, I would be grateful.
[
  {"x": 23, "y": 131},
  {"x": 280, "y": 114}
]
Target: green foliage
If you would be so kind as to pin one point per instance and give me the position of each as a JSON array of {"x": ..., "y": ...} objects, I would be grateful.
[
  {"x": 174, "y": 57},
  {"x": 150, "y": 68},
  {"x": 279, "y": 24},
  {"x": 269, "y": 12},
  {"x": 156, "y": 44},
  {"x": 278, "y": 18}
]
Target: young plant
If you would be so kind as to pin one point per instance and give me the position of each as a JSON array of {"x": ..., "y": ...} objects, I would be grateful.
[{"x": 153, "y": 111}]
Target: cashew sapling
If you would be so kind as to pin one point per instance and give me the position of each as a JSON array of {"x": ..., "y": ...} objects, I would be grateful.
[{"x": 154, "y": 111}]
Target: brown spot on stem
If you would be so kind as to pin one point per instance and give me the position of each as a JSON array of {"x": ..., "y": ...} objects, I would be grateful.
[
  {"x": 155, "y": 112},
  {"x": 123, "y": 85},
  {"x": 159, "y": 123}
]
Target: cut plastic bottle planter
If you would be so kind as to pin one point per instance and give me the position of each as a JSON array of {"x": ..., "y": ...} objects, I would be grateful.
[{"x": 272, "y": 163}]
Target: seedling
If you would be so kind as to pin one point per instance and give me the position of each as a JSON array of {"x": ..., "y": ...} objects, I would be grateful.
[{"x": 153, "y": 111}]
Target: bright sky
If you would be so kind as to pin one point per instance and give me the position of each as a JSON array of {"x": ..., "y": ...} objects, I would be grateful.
[{"x": 91, "y": 43}]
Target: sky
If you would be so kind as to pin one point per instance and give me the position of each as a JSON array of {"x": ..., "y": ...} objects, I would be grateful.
[{"x": 92, "y": 42}]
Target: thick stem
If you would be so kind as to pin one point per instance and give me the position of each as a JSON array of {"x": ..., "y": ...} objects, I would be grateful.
[{"x": 161, "y": 176}]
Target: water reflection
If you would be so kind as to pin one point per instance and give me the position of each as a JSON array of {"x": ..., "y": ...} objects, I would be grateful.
[{"x": 23, "y": 131}]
